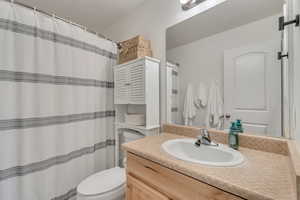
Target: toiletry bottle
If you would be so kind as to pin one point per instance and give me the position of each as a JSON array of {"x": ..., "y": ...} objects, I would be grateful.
[
  {"x": 233, "y": 137},
  {"x": 239, "y": 126}
]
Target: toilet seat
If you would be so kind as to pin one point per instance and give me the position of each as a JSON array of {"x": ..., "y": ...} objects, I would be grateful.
[{"x": 102, "y": 182}]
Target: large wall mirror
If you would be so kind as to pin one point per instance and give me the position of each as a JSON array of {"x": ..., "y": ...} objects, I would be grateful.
[{"x": 223, "y": 65}]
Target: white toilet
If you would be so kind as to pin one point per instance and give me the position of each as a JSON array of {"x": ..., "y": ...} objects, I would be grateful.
[
  {"x": 109, "y": 184},
  {"x": 105, "y": 185}
]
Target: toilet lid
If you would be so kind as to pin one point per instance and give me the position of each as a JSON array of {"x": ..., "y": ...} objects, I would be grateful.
[{"x": 102, "y": 182}]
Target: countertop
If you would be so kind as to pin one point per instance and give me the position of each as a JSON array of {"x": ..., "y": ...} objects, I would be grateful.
[{"x": 263, "y": 176}]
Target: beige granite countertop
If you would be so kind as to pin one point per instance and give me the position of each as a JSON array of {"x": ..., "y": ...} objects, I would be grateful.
[{"x": 263, "y": 176}]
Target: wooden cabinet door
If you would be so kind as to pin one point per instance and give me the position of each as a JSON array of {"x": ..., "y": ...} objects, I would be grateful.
[
  {"x": 136, "y": 190},
  {"x": 171, "y": 183}
]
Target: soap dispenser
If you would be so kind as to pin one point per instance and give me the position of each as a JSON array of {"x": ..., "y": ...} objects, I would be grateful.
[
  {"x": 239, "y": 125},
  {"x": 233, "y": 136}
]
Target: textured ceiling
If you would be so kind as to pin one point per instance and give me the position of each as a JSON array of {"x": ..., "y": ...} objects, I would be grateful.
[
  {"x": 230, "y": 14},
  {"x": 94, "y": 14}
]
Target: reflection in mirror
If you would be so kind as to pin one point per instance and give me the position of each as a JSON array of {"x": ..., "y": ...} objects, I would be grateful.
[{"x": 222, "y": 66}]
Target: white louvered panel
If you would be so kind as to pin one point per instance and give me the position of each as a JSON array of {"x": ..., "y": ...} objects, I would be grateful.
[
  {"x": 137, "y": 84},
  {"x": 121, "y": 85}
]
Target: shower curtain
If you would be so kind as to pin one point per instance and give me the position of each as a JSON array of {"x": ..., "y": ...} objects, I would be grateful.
[
  {"x": 56, "y": 105},
  {"x": 173, "y": 93}
]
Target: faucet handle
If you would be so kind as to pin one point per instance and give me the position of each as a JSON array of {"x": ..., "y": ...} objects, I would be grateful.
[
  {"x": 204, "y": 138},
  {"x": 204, "y": 132}
]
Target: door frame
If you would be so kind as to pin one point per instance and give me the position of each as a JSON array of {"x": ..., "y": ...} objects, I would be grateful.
[{"x": 289, "y": 108}]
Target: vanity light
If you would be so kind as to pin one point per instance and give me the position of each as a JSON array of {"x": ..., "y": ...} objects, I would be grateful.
[
  {"x": 188, "y": 4},
  {"x": 185, "y": 1}
]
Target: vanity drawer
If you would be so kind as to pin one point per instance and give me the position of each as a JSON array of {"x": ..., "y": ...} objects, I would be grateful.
[
  {"x": 171, "y": 183},
  {"x": 137, "y": 190}
]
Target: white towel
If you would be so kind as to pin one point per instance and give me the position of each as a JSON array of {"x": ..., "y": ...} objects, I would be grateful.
[
  {"x": 201, "y": 96},
  {"x": 214, "y": 106},
  {"x": 189, "y": 109}
]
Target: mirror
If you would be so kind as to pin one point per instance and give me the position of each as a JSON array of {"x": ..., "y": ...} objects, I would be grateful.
[{"x": 222, "y": 65}]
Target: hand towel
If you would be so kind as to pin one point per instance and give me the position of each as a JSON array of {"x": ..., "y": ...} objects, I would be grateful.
[
  {"x": 214, "y": 106},
  {"x": 189, "y": 109},
  {"x": 201, "y": 96}
]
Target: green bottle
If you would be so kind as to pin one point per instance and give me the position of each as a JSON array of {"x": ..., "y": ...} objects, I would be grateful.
[
  {"x": 233, "y": 136},
  {"x": 239, "y": 126}
]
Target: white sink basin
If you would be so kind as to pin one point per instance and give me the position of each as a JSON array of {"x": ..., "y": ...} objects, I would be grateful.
[{"x": 220, "y": 156}]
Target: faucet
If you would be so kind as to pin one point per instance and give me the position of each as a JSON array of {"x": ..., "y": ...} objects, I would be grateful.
[{"x": 204, "y": 138}]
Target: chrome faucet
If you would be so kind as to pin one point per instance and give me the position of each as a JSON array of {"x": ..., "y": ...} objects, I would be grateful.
[{"x": 204, "y": 138}]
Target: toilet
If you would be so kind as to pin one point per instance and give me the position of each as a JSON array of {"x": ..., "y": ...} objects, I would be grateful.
[
  {"x": 109, "y": 184},
  {"x": 106, "y": 185}
]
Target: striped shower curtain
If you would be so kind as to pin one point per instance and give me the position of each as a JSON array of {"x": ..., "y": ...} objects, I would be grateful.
[
  {"x": 56, "y": 105},
  {"x": 175, "y": 95}
]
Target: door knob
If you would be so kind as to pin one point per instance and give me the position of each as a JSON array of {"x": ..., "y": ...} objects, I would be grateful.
[{"x": 227, "y": 116}]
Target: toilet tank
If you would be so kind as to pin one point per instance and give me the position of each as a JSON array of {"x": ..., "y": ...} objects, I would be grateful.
[
  {"x": 125, "y": 137},
  {"x": 129, "y": 136}
]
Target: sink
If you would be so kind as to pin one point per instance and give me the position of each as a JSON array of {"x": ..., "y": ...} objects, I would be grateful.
[{"x": 217, "y": 156}]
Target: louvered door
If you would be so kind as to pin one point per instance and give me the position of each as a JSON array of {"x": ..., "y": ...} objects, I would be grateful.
[
  {"x": 137, "y": 84},
  {"x": 122, "y": 85}
]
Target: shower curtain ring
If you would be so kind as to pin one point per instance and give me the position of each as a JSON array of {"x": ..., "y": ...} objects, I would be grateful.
[
  {"x": 12, "y": 4},
  {"x": 34, "y": 10}
]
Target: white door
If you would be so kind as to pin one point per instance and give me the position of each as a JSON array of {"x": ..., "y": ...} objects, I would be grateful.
[
  {"x": 252, "y": 87},
  {"x": 294, "y": 52},
  {"x": 286, "y": 85}
]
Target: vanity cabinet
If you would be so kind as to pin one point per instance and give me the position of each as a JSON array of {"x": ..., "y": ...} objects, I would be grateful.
[
  {"x": 147, "y": 180},
  {"x": 137, "y": 190}
]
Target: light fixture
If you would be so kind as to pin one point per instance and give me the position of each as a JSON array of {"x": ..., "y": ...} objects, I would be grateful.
[
  {"x": 188, "y": 4},
  {"x": 185, "y": 1}
]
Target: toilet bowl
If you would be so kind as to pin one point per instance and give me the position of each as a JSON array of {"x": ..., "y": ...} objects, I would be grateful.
[
  {"x": 109, "y": 184},
  {"x": 105, "y": 185}
]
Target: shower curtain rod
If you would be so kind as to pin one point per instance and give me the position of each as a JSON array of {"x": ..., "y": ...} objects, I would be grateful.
[
  {"x": 174, "y": 63},
  {"x": 62, "y": 19}
]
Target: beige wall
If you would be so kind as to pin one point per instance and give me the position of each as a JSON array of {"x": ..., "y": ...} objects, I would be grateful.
[{"x": 152, "y": 19}]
